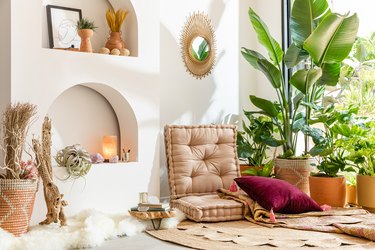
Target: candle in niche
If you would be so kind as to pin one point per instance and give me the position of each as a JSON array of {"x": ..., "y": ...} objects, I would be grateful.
[{"x": 109, "y": 146}]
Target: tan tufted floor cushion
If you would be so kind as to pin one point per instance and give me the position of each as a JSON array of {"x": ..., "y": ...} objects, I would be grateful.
[{"x": 202, "y": 159}]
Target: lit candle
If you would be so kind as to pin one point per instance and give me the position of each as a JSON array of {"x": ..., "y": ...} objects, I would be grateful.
[{"x": 109, "y": 146}]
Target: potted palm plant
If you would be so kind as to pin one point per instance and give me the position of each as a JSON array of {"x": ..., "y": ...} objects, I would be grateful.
[
  {"x": 316, "y": 35},
  {"x": 253, "y": 143}
]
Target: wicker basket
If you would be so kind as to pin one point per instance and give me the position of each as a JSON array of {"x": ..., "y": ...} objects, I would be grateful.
[
  {"x": 295, "y": 171},
  {"x": 16, "y": 204}
]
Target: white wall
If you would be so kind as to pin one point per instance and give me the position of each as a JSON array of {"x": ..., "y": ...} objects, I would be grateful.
[
  {"x": 184, "y": 99},
  {"x": 40, "y": 75},
  {"x": 5, "y": 69}
]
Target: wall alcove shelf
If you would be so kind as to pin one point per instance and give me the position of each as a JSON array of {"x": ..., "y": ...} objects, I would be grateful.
[{"x": 96, "y": 10}]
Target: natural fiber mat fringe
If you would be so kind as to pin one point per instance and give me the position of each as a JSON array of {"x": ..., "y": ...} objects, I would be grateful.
[{"x": 245, "y": 235}]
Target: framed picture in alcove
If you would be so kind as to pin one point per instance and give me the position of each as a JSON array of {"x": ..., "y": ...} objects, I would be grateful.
[{"x": 62, "y": 31}]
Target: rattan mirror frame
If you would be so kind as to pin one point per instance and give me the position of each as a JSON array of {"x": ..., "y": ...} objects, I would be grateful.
[{"x": 198, "y": 25}]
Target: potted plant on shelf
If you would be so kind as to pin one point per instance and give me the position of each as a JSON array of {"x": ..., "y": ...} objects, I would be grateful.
[
  {"x": 18, "y": 178},
  {"x": 253, "y": 143},
  {"x": 315, "y": 39},
  {"x": 85, "y": 28}
]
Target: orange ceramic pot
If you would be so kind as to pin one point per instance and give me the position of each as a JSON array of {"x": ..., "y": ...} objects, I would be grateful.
[
  {"x": 365, "y": 192},
  {"x": 85, "y": 35},
  {"x": 328, "y": 190},
  {"x": 351, "y": 194},
  {"x": 115, "y": 41}
]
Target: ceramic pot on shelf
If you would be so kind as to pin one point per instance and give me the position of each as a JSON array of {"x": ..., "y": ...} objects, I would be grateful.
[
  {"x": 85, "y": 35},
  {"x": 115, "y": 41}
]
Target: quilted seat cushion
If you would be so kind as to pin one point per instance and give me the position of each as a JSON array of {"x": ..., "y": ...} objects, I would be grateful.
[
  {"x": 201, "y": 158},
  {"x": 209, "y": 208}
]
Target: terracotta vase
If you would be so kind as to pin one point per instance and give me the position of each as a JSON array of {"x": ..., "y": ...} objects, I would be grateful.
[
  {"x": 351, "y": 194},
  {"x": 115, "y": 41},
  {"x": 85, "y": 35},
  {"x": 295, "y": 171},
  {"x": 365, "y": 192},
  {"x": 328, "y": 190}
]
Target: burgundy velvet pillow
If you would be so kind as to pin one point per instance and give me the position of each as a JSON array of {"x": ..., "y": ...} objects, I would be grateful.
[{"x": 277, "y": 194}]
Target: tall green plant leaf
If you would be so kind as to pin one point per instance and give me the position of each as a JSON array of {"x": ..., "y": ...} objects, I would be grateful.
[
  {"x": 274, "y": 50},
  {"x": 303, "y": 16},
  {"x": 258, "y": 61},
  {"x": 332, "y": 40},
  {"x": 304, "y": 79},
  {"x": 331, "y": 74},
  {"x": 294, "y": 55},
  {"x": 267, "y": 106},
  {"x": 252, "y": 57}
]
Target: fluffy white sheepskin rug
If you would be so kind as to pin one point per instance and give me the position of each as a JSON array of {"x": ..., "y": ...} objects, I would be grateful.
[{"x": 89, "y": 228}]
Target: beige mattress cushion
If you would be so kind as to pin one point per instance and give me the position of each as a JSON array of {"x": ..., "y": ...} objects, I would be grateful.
[
  {"x": 209, "y": 208},
  {"x": 201, "y": 159}
]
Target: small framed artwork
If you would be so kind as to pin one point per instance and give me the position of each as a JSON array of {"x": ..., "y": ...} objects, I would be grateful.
[{"x": 62, "y": 31}]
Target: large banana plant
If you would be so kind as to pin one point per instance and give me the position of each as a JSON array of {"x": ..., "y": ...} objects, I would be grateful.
[{"x": 322, "y": 40}]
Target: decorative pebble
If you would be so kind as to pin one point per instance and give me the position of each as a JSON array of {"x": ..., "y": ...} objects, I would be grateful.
[
  {"x": 104, "y": 50},
  {"x": 124, "y": 52},
  {"x": 115, "y": 52},
  {"x": 113, "y": 159},
  {"x": 97, "y": 158}
]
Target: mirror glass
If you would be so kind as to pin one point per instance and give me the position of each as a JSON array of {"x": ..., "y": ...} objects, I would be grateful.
[{"x": 200, "y": 48}]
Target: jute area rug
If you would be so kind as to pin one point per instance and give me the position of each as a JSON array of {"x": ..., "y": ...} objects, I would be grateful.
[{"x": 245, "y": 235}]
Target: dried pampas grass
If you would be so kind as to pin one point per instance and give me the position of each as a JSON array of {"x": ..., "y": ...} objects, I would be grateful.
[{"x": 16, "y": 121}]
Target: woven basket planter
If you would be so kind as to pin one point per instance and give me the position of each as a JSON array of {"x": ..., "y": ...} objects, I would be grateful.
[
  {"x": 16, "y": 204},
  {"x": 296, "y": 172}
]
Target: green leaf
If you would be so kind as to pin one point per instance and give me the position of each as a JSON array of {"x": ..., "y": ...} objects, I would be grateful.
[
  {"x": 274, "y": 49},
  {"x": 294, "y": 55},
  {"x": 332, "y": 40},
  {"x": 252, "y": 57},
  {"x": 272, "y": 73},
  {"x": 331, "y": 74},
  {"x": 267, "y": 106},
  {"x": 304, "y": 79},
  {"x": 304, "y": 12}
]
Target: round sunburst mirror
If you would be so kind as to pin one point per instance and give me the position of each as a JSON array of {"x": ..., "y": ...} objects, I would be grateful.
[{"x": 198, "y": 46}]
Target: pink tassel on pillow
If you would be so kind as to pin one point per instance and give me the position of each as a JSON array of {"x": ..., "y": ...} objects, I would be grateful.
[
  {"x": 233, "y": 187},
  {"x": 272, "y": 216},
  {"x": 326, "y": 207}
]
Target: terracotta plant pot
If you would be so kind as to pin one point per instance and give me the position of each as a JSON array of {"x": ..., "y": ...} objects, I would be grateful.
[
  {"x": 85, "y": 35},
  {"x": 295, "y": 171},
  {"x": 365, "y": 192},
  {"x": 115, "y": 41},
  {"x": 351, "y": 194},
  {"x": 328, "y": 190}
]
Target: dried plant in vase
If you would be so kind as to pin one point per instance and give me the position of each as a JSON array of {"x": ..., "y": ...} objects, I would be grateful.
[
  {"x": 115, "y": 19},
  {"x": 18, "y": 184}
]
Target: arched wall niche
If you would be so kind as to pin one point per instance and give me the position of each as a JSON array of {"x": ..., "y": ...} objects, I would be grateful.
[
  {"x": 85, "y": 112},
  {"x": 95, "y": 10}
]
